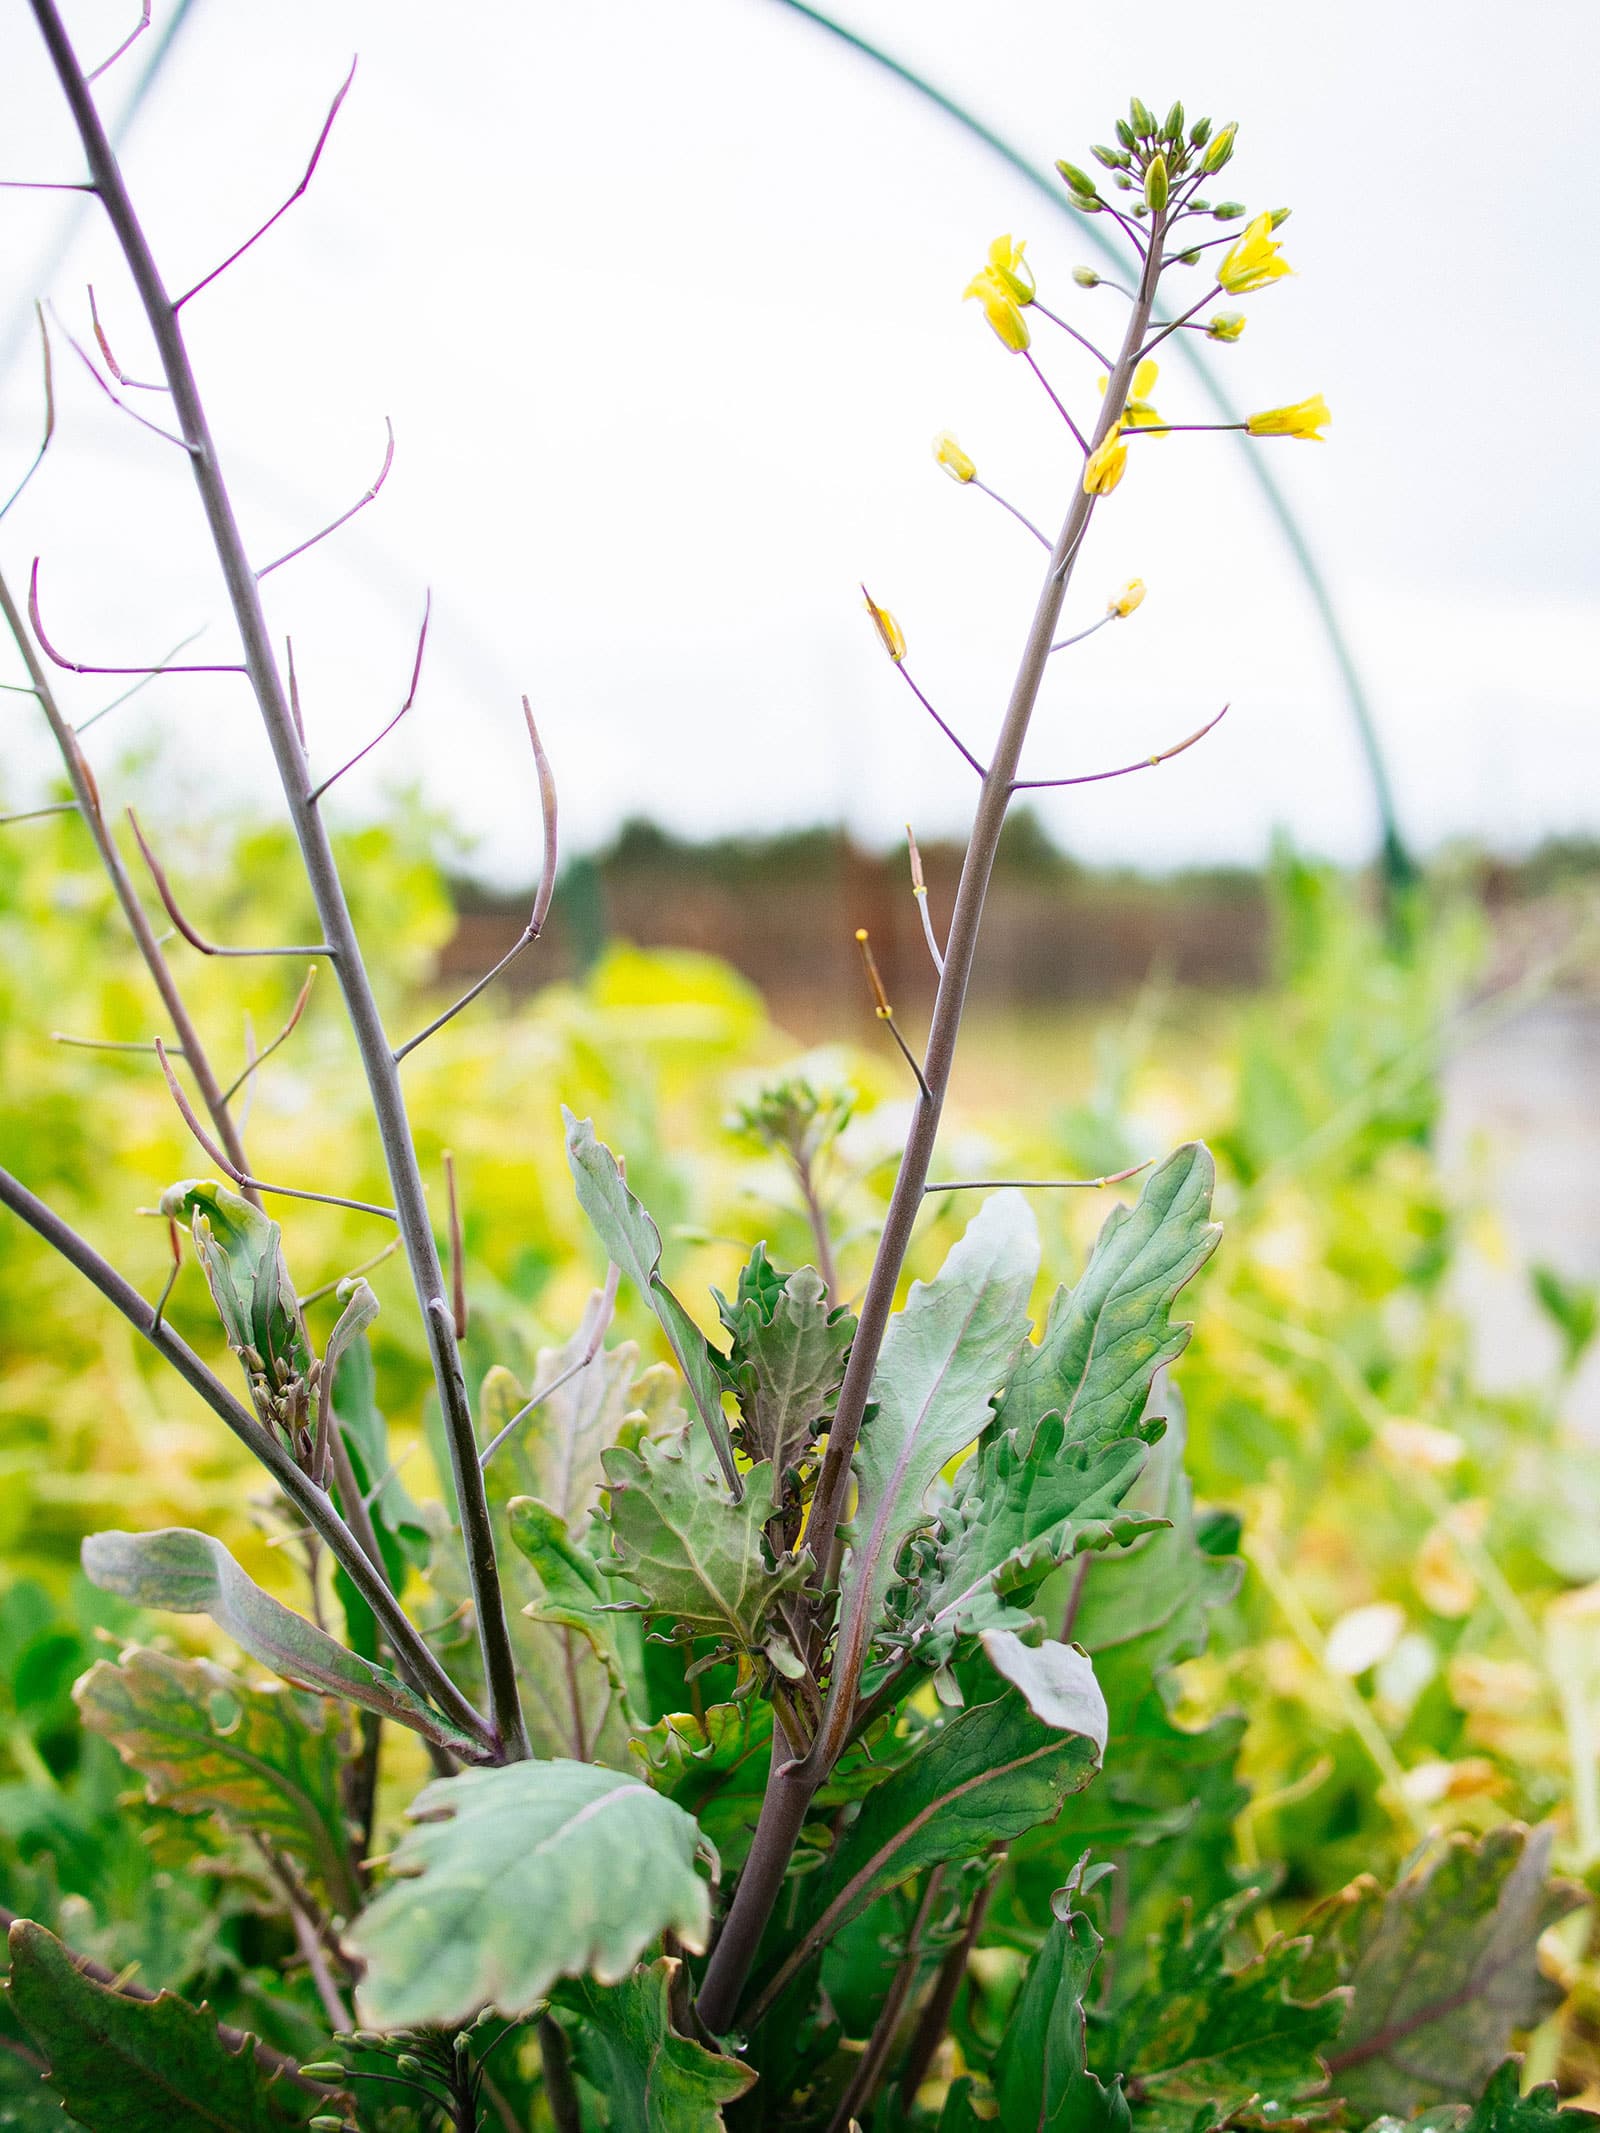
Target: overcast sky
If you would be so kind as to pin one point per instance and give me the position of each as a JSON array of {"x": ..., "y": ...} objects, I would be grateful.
[{"x": 663, "y": 299}]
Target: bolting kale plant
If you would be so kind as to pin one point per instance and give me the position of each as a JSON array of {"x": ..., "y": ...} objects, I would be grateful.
[{"x": 809, "y": 1758}]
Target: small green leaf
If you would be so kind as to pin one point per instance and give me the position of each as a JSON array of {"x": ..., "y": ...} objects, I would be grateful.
[
  {"x": 264, "y": 1761},
  {"x": 653, "y": 2079},
  {"x": 555, "y": 1455},
  {"x": 694, "y": 1556},
  {"x": 1017, "y": 1516},
  {"x": 1442, "y": 1968},
  {"x": 240, "y": 1250},
  {"x": 1502, "y": 2108},
  {"x": 573, "y": 1590},
  {"x": 787, "y": 1360},
  {"x": 1200, "y": 2041},
  {"x": 513, "y": 1878},
  {"x": 1041, "y": 2072},
  {"x": 633, "y": 1243},
  {"x": 944, "y": 1358},
  {"x": 122, "y": 2065},
  {"x": 188, "y": 1573}
]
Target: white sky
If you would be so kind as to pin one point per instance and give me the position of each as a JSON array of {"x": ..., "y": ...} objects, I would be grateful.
[{"x": 664, "y": 302}]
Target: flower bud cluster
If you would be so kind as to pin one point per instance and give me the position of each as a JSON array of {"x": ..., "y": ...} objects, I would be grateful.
[{"x": 1149, "y": 159}]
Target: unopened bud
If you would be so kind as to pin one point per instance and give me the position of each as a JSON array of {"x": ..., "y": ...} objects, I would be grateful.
[
  {"x": 1155, "y": 183},
  {"x": 324, "y": 2070},
  {"x": 1086, "y": 277},
  {"x": 1079, "y": 180},
  {"x": 1280, "y": 216},
  {"x": 1221, "y": 148},
  {"x": 1140, "y": 113},
  {"x": 409, "y": 2063},
  {"x": 1188, "y": 259},
  {"x": 1123, "y": 182},
  {"x": 1130, "y": 597},
  {"x": 1110, "y": 158},
  {"x": 1126, "y": 134},
  {"x": 325, "y": 2122},
  {"x": 1200, "y": 133},
  {"x": 959, "y": 465},
  {"x": 1227, "y": 211},
  {"x": 1225, "y": 325},
  {"x": 1173, "y": 129}
]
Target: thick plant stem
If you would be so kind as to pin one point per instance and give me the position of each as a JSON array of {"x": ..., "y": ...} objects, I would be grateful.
[
  {"x": 412, "y": 1655},
  {"x": 87, "y": 795},
  {"x": 790, "y": 1787},
  {"x": 333, "y": 910}
]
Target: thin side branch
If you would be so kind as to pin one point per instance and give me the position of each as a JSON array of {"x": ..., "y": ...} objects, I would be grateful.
[
  {"x": 241, "y": 1178},
  {"x": 169, "y": 903},
  {"x": 37, "y": 814},
  {"x": 132, "y": 37},
  {"x": 344, "y": 517},
  {"x": 313, "y": 1505},
  {"x": 116, "y": 400},
  {"x": 882, "y": 1009},
  {"x": 949, "y": 733},
  {"x": 282, "y": 1037},
  {"x": 103, "y": 342},
  {"x": 84, "y": 666},
  {"x": 150, "y": 674},
  {"x": 317, "y": 791},
  {"x": 49, "y": 414},
  {"x": 83, "y": 785},
  {"x": 541, "y": 900},
  {"x": 919, "y": 889},
  {"x": 310, "y": 172},
  {"x": 1145, "y": 762},
  {"x": 597, "y": 1317},
  {"x": 1115, "y": 1177}
]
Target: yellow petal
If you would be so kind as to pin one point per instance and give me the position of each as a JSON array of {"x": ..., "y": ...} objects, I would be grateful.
[
  {"x": 1130, "y": 597},
  {"x": 1105, "y": 465},
  {"x": 1144, "y": 378},
  {"x": 890, "y": 634}
]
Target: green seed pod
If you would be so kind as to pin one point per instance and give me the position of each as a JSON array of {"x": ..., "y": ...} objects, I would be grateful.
[
  {"x": 1227, "y": 210},
  {"x": 1155, "y": 183},
  {"x": 1221, "y": 148},
  {"x": 1140, "y": 113},
  {"x": 1086, "y": 277},
  {"x": 1173, "y": 129},
  {"x": 1126, "y": 134},
  {"x": 1200, "y": 133},
  {"x": 1079, "y": 180}
]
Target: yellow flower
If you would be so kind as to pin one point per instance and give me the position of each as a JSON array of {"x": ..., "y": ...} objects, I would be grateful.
[
  {"x": 1105, "y": 465},
  {"x": 1128, "y": 599},
  {"x": 1001, "y": 309},
  {"x": 1139, "y": 414},
  {"x": 1225, "y": 325},
  {"x": 959, "y": 465},
  {"x": 1011, "y": 270},
  {"x": 1307, "y": 418},
  {"x": 1253, "y": 261},
  {"x": 890, "y": 634}
]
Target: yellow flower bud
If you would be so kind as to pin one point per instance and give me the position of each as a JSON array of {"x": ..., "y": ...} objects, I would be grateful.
[
  {"x": 1225, "y": 325},
  {"x": 1139, "y": 414},
  {"x": 1130, "y": 597},
  {"x": 1306, "y": 418},
  {"x": 1011, "y": 270},
  {"x": 1105, "y": 465},
  {"x": 890, "y": 634},
  {"x": 1001, "y": 309},
  {"x": 959, "y": 465},
  {"x": 1253, "y": 260},
  {"x": 1219, "y": 151}
]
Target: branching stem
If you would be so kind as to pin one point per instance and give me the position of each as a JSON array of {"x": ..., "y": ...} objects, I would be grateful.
[
  {"x": 333, "y": 910},
  {"x": 791, "y": 1785}
]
